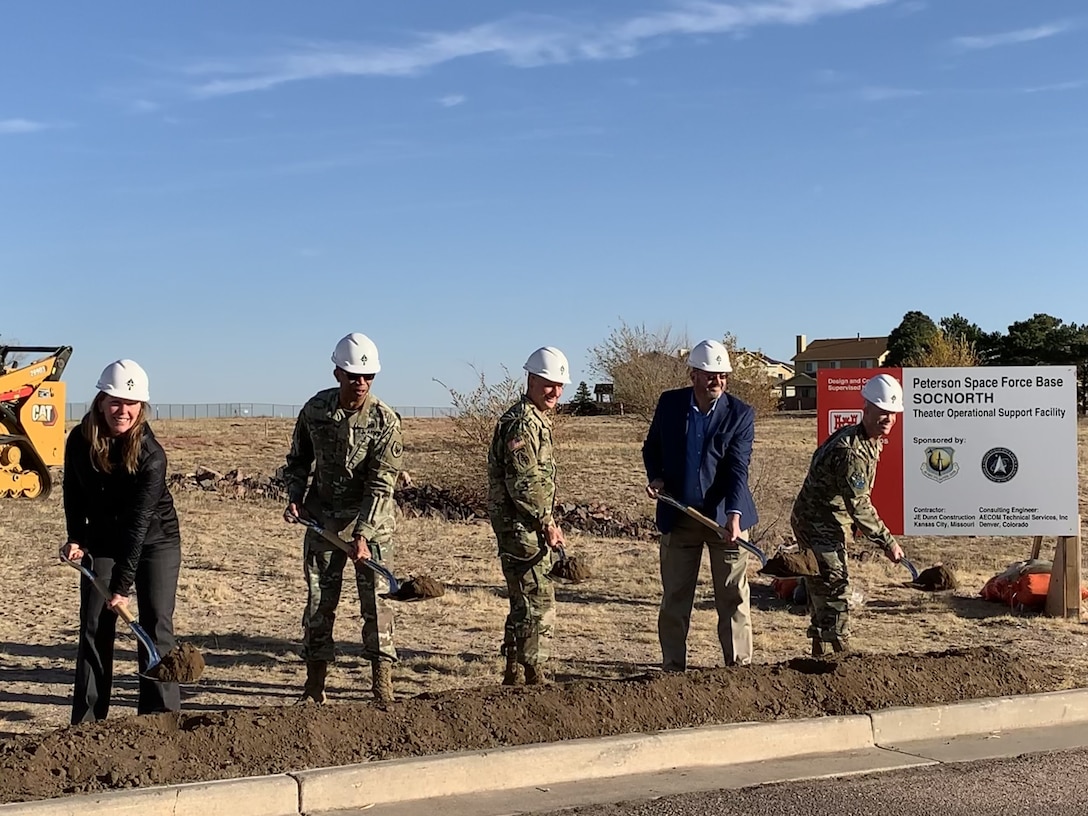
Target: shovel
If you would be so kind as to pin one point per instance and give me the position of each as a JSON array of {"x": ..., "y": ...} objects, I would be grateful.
[
  {"x": 374, "y": 566},
  {"x": 154, "y": 658},
  {"x": 910, "y": 568},
  {"x": 713, "y": 525}
]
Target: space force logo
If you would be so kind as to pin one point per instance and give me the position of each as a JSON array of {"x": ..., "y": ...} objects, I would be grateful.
[
  {"x": 999, "y": 465},
  {"x": 940, "y": 464}
]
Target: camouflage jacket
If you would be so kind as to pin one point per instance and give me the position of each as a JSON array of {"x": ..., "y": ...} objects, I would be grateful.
[
  {"x": 835, "y": 496},
  {"x": 521, "y": 470},
  {"x": 355, "y": 459}
]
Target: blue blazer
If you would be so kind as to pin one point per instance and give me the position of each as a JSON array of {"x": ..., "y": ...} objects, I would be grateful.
[{"x": 723, "y": 473}]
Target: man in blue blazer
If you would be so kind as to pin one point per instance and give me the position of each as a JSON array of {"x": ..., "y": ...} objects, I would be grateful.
[{"x": 697, "y": 450}]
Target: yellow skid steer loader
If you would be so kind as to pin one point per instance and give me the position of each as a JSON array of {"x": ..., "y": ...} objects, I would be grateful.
[{"x": 31, "y": 420}]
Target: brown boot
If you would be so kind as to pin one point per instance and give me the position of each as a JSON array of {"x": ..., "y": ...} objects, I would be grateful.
[
  {"x": 535, "y": 676},
  {"x": 314, "y": 690},
  {"x": 513, "y": 676},
  {"x": 381, "y": 673}
]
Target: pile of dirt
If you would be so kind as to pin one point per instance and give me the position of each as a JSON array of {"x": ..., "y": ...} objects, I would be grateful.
[
  {"x": 419, "y": 588},
  {"x": 572, "y": 569},
  {"x": 184, "y": 664},
  {"x": 791, "y": 564},
  {"x": 935, "y": 579},
  {"x": 600, "y": 520},
  {"x": 422, "y": 500},
  {"x": 190, "y": 747}
]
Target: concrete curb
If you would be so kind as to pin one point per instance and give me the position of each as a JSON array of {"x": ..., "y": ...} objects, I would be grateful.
[
  {"x": 572, "y": 760},
  {"x": 896, "y": 726},
  {"x": 250, "y": 796},
  {"x": 403, "y": 780}
]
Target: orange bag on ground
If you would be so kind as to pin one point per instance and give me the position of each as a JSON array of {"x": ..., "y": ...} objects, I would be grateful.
[{"x": 1024, "y": 585}]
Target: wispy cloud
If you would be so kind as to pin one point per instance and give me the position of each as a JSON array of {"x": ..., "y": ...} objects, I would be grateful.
[
  {"x": 911, "y": 7},
  {"x": 143, "y": 106},
  {"x": 1072, "y": 85},
  {"x": 880, "y": 93},
  {"x": 21, "y": 126},
  {"x": 452, "y": 100},
  {"x": 524, "y": 41},
  {"x": 1021, "y": 35}
]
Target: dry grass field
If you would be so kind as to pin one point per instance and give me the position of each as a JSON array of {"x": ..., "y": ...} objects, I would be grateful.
[{"x": 241, "y": 587}]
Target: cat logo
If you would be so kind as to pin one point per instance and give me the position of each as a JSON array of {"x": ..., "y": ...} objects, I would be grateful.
[
  {"x": 45, "y": 414},
  {"x": 940, "y": 464}
]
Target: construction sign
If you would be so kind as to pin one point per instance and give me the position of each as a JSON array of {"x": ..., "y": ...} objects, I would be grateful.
[
  {"x": 977, "y": 451},
  {"x": 838, "y": 403}
]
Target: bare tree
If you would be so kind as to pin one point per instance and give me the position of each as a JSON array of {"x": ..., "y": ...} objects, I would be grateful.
[
  {"x": 477, "y": 411},
  {"x": 749, "y": 380},
  {"x": 640, "y": 363}
]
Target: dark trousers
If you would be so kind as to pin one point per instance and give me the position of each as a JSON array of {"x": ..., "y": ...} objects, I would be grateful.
[{"x": 156, "y": 589}]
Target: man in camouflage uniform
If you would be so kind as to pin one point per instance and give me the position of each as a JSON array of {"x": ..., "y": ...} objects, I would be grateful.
[
  {"x": 521, "y": 494},
  {"x": 353, "y": 441},
  {"x": 835, "y": 501}
]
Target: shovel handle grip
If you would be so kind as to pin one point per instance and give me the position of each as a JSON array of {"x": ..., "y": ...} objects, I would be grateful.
[
  {"x": 125, "y": 614},
  {"x": 713, "y": 525},
  {"x": 334, "y": 539}
]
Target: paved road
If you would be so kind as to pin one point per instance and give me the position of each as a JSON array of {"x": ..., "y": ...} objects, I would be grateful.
[{"x": 1053, "y": 784}]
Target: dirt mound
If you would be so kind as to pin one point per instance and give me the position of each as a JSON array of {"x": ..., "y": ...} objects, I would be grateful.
[
  {"x": 419, "y": 588},
  {"x": 423, "y": 500},
  {"x": 935, "y": 579},
  {"x": 790, "y": 565},
  {"x": 190, "y": 747},
  {"x": 572, "y": 569},
  {"x": 184, "y": 664}
]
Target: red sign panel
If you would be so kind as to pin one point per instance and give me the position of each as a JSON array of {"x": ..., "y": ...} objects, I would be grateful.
[{"x": 838, "y": 403}]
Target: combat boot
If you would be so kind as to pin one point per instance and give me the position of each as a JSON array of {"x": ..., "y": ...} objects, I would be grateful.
[
  {"x": 381, "y": 673},
  {"x": 513, "y": 676},
  {"x": 535, "y": 675},
  {"x": 314, "y": 690}
]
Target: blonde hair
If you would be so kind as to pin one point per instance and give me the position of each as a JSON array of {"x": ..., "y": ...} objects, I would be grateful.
[{"x": 96, "y": 432}]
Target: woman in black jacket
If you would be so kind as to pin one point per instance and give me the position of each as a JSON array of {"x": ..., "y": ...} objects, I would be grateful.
[{"x": 121, "y": 523}]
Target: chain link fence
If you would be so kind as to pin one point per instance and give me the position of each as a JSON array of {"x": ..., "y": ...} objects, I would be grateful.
[{"x": 224, "y": 410}]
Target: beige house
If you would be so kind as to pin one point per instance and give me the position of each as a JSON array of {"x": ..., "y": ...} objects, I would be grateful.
[
  {"x": 778, "y": 372},
  {"x": 847, "y": 352}
]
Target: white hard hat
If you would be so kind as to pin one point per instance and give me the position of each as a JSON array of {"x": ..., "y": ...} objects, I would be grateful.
[
  {"x": 357, "y": 354},
  {"x": 885, "y": 392},
  {"x": 125, "y": 379},
  {"x": 712, "y": 356},
  {"x": 549, "y": 363}
]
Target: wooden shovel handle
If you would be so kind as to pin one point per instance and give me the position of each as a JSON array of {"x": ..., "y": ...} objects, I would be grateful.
[{"x": 124, "y": 613}]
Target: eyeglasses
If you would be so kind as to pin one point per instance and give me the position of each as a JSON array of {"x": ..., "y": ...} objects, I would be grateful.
[{"x": 356, "y": 377}]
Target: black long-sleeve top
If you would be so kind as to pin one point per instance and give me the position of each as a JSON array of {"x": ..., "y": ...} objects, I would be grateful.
[{"x": 116, "y": 515}]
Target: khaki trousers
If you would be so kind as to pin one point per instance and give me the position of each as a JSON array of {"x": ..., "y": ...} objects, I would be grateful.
[{"x": 681, "y": 557}]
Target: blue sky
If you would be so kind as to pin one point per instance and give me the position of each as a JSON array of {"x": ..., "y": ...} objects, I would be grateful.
[{"x": 222, "y": 190}]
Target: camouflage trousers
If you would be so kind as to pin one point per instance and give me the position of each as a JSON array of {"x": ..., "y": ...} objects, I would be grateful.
[
  {"x": 827, "y": 594},
  {"x": 529, "y": 626},
  {"x": 324, "y": 570}
]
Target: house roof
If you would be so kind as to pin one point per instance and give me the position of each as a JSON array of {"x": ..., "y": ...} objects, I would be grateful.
[
  {"x": 845, "y": 348},
  {"x": 762, "y": 358},
  {"x": 801, "y": 380}
]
